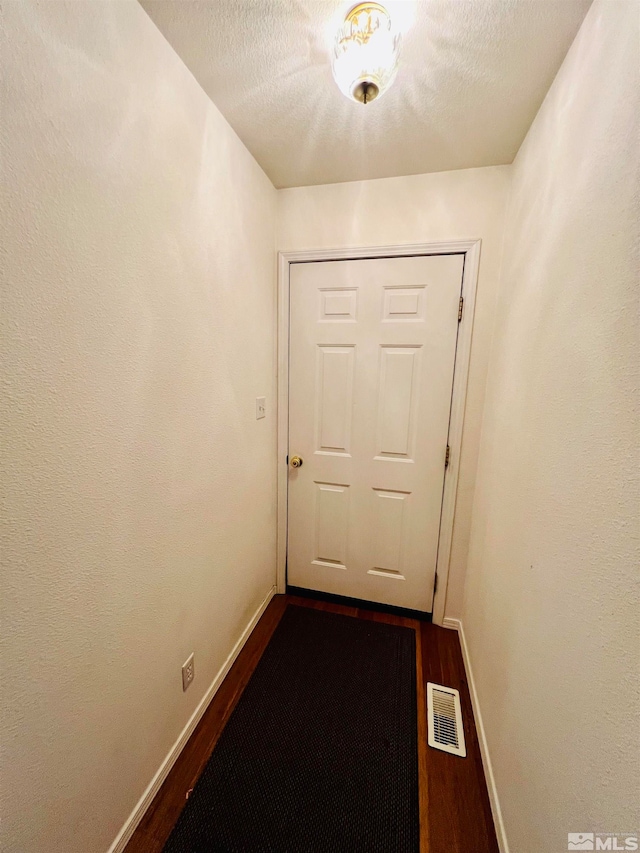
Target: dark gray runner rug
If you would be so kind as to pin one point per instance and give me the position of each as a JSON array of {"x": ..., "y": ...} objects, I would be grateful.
[{"x": 320, "y": 753}]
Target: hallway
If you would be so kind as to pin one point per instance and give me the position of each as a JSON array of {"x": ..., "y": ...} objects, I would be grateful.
[
  {"x": 455, "y": 814},
  {"x": 308, "y": 295}
]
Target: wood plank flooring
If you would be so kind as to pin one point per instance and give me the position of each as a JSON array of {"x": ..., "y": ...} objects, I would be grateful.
[{"x": 455, "y": 815}]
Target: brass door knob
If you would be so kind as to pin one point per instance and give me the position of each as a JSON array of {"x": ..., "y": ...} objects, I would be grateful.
[{"x": 296, "y": 462}]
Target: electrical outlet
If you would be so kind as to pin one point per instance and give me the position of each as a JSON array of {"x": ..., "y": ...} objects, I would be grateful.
[
  {"x": 188, "y": 671},
  {"x": 261, "y": 407}
]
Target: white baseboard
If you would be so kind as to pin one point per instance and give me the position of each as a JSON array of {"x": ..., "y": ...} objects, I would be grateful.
[
  {"x": 456, "y": 624},
  {"x": 154, "y": 786}
]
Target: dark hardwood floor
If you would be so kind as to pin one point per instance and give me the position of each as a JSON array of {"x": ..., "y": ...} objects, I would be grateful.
[{"x": 455, "y": 815}]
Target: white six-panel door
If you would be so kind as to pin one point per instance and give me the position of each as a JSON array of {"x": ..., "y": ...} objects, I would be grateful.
[{"x": 372, "y": 352}]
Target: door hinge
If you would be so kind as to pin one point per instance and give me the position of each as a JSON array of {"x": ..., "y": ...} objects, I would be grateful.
[
  {"x": 435, "y": 583},
  {"x": 460, "y": 305},
  {"x": 446, "y": 457}
]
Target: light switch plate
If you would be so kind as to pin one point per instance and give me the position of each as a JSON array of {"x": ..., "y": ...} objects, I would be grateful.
[{"x": 261, "y": 407}]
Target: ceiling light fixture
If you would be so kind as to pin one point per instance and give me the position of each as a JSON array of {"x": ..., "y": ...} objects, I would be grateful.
[{"x": 365, "y": 54}]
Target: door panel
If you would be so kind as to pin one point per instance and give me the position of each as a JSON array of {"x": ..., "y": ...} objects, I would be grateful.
[
  {"x": 372, "y": 352},
  {"x": 398, "y": 381},
  {"x": 331, "y": 516},
  {"x": 334, "y": 396}
]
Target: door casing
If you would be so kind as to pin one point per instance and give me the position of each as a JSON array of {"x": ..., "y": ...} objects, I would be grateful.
[{"x": 471, "y": 250}]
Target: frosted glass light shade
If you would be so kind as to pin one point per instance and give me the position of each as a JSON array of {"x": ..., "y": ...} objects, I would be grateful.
[{"x": 365, "y": 54}]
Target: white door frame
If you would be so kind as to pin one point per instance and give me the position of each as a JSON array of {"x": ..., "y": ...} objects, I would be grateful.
[{"x": 471, "y": 251}]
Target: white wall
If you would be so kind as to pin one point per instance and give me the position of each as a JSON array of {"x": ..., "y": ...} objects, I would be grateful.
[
  {"x": 419, "y": 208},
  {"x": 139, "y": 525},
  {"x": 551, "y": 607}
]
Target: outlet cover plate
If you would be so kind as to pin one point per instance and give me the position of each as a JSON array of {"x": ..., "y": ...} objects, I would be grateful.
[{"x": 188, "y": 671}]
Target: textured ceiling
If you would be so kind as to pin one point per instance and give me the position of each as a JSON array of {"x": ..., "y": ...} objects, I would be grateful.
[{"x": 472, "y": 76}]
